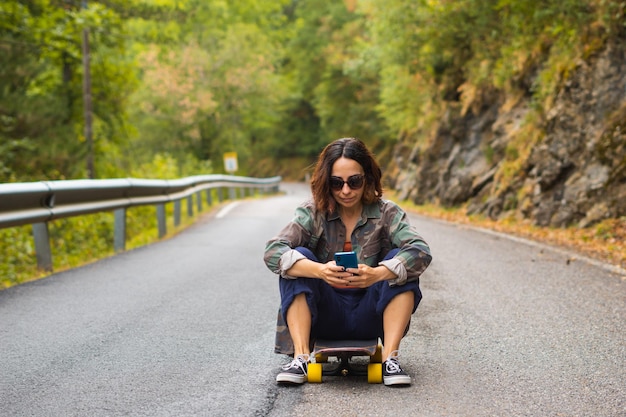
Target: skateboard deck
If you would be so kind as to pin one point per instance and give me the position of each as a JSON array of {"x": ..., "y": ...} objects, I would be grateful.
[{"x": 344, "y": 351}]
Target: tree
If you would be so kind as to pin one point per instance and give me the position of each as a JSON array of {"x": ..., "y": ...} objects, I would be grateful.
[{"x": 41, "y": 102}]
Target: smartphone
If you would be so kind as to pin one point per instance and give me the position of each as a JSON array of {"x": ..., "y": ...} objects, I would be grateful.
[{"x": 347, "y": 259}]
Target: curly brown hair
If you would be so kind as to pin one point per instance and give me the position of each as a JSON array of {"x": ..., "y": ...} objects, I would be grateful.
[{"x": 351, "y": 148}]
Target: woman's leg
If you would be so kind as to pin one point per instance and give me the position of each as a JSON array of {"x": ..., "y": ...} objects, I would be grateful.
[
  {"x": 397, "y": 305},
  {"x": 297, "y": 313},
  {"x": 298, "y": 319},
  {"x": 396, "y": 317}
]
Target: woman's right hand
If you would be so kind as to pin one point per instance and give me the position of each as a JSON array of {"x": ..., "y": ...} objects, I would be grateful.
[{"x": 334, "y": 274}]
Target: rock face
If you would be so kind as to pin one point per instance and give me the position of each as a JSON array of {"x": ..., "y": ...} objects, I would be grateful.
[{"x": 564, "y": 166}]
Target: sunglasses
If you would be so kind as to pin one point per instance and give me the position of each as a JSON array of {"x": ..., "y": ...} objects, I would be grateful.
[{"x": 354, "y": 182}]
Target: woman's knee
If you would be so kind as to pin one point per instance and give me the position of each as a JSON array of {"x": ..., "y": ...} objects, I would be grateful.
[{"x": 388, "y": 293}]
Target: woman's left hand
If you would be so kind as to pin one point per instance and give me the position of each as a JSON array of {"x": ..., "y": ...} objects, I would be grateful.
[{"x": 365, "y": 276}]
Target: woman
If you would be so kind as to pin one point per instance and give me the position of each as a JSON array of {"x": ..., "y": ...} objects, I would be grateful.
[{"x": 320, "y": 299}]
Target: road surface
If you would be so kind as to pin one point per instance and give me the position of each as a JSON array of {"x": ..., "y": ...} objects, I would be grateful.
[{"x": 185, "y": 327}]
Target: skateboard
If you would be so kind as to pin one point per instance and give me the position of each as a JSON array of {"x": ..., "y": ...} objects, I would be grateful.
[{"x": 343, "y": 351}]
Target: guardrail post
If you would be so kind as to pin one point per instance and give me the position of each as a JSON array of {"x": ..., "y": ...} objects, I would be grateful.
[
  {"x": 209, "y": 197},
  {"x": 161, "y": 220},
  {"x": 42, "y": 246},
  {"x": 231, "y": 193},
  {"x": 177, "y": 213},
  {"x": 220, "y": 194},
  {"x": 190, "y": 205},
  {"x": 119, "y": 232},
  {"x": 199, "y": 201}
]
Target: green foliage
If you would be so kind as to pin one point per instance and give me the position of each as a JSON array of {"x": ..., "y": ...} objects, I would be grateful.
[
  {"x": 41, "y": 96},
  {"x": 612, "y": 15},
  {"x": 17, "y": 251},
  {"x": 78, "y": 240},
  {"x": 193, "y": 79},
  {"x": 428, "y": 51},
  {"x": 218, "y": 91},
  {"x": 335, "y": 87}
]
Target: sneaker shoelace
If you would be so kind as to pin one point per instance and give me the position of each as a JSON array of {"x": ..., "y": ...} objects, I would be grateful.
[
  {"x": 392, "y": 364},
  {"x": 297, "y": 363}
]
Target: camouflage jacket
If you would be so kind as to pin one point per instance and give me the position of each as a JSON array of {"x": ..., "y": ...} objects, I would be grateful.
[{"x": 383, "y": 226}]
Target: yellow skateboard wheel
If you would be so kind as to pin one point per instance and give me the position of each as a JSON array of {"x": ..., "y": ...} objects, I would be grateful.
[
  {"x": 315, "y": 372},
  {"x": 375, "y": 373}
]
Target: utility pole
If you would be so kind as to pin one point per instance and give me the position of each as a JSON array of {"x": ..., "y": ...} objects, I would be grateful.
[{"x": 87, "y": 107}]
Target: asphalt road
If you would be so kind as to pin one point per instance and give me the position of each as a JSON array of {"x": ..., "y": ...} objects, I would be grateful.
[{"x": 185, "y": 327}]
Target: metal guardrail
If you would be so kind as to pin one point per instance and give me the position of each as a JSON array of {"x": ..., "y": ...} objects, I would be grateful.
[{"x": 37, "y": 203}]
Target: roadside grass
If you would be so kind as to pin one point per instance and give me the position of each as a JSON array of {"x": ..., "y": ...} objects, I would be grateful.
[{"x": 606, "y": 241}]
